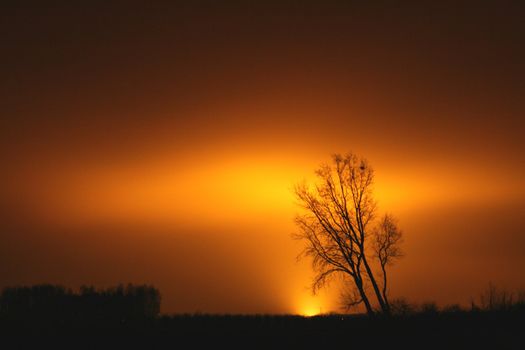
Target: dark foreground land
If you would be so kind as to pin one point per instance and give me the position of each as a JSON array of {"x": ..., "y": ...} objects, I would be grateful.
[
  {"x": 124, "y": 317},
  {"x": 458, "y": 330}
]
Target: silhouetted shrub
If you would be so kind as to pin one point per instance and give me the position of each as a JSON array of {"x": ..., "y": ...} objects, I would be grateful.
[
  {"x": 520, "y": 301},
  {"x": 494, "y": 299},
  {"x": 452, "y": 308},
  {"x": 429, "y": 309},
  {"x": 401, "y": 307}
]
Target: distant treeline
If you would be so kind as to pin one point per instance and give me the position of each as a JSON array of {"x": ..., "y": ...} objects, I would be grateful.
[{"x": 47, "y": 301}]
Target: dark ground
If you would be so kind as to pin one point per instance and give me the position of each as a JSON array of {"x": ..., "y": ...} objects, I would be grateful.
[{"x": 457, "y": 330}]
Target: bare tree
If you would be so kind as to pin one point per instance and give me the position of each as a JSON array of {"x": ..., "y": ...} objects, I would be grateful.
[{"x": 338, "y": 213}]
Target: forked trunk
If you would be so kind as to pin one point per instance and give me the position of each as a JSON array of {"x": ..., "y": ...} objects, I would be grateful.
[
  {"x": 379, "y": 296},
  {"x": 364, "y": 297}
]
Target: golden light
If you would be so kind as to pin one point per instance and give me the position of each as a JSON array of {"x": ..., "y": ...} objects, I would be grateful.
[
  {"x": 309, "y": 305},
  {"x": 310, "y": 311},
  {"x": 224, "y": 190}
]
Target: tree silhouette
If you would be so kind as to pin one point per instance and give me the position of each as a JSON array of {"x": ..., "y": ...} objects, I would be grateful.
[
  {"x": 337, "y": 225},
  {"x": 47, "y": 301}
]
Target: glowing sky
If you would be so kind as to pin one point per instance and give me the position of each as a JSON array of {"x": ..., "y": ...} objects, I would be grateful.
[{"x": 159, "y": 143}]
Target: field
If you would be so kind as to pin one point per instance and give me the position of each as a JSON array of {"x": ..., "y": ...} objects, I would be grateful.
[{"x": 443, "y": 330}]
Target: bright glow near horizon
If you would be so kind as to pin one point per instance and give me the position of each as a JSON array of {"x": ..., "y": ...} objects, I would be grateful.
[{"x": 167, "y": 154}]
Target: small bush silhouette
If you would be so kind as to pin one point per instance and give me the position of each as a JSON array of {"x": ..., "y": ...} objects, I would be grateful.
[
  {"x": 452, "y": 308},
  {"x": 496, "y": 299},
  {"x": 401, "y": 307},
  {"x": 429, "y": 309}
]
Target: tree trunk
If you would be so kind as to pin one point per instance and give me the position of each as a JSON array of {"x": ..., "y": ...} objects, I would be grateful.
[
  {"x": 364, "y": 297},
  {"x": 382, "y": 304},
  {"x": 385, "y": 298}
]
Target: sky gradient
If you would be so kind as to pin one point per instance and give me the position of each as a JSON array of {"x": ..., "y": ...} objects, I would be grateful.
[{"x": 160, "y": 143}]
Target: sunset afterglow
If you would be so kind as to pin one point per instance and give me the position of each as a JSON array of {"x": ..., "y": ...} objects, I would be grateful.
[{"x": 162, "y": 146}]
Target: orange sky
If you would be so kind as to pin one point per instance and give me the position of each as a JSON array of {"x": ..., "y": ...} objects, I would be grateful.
[{"x": 160, "y": 143}]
